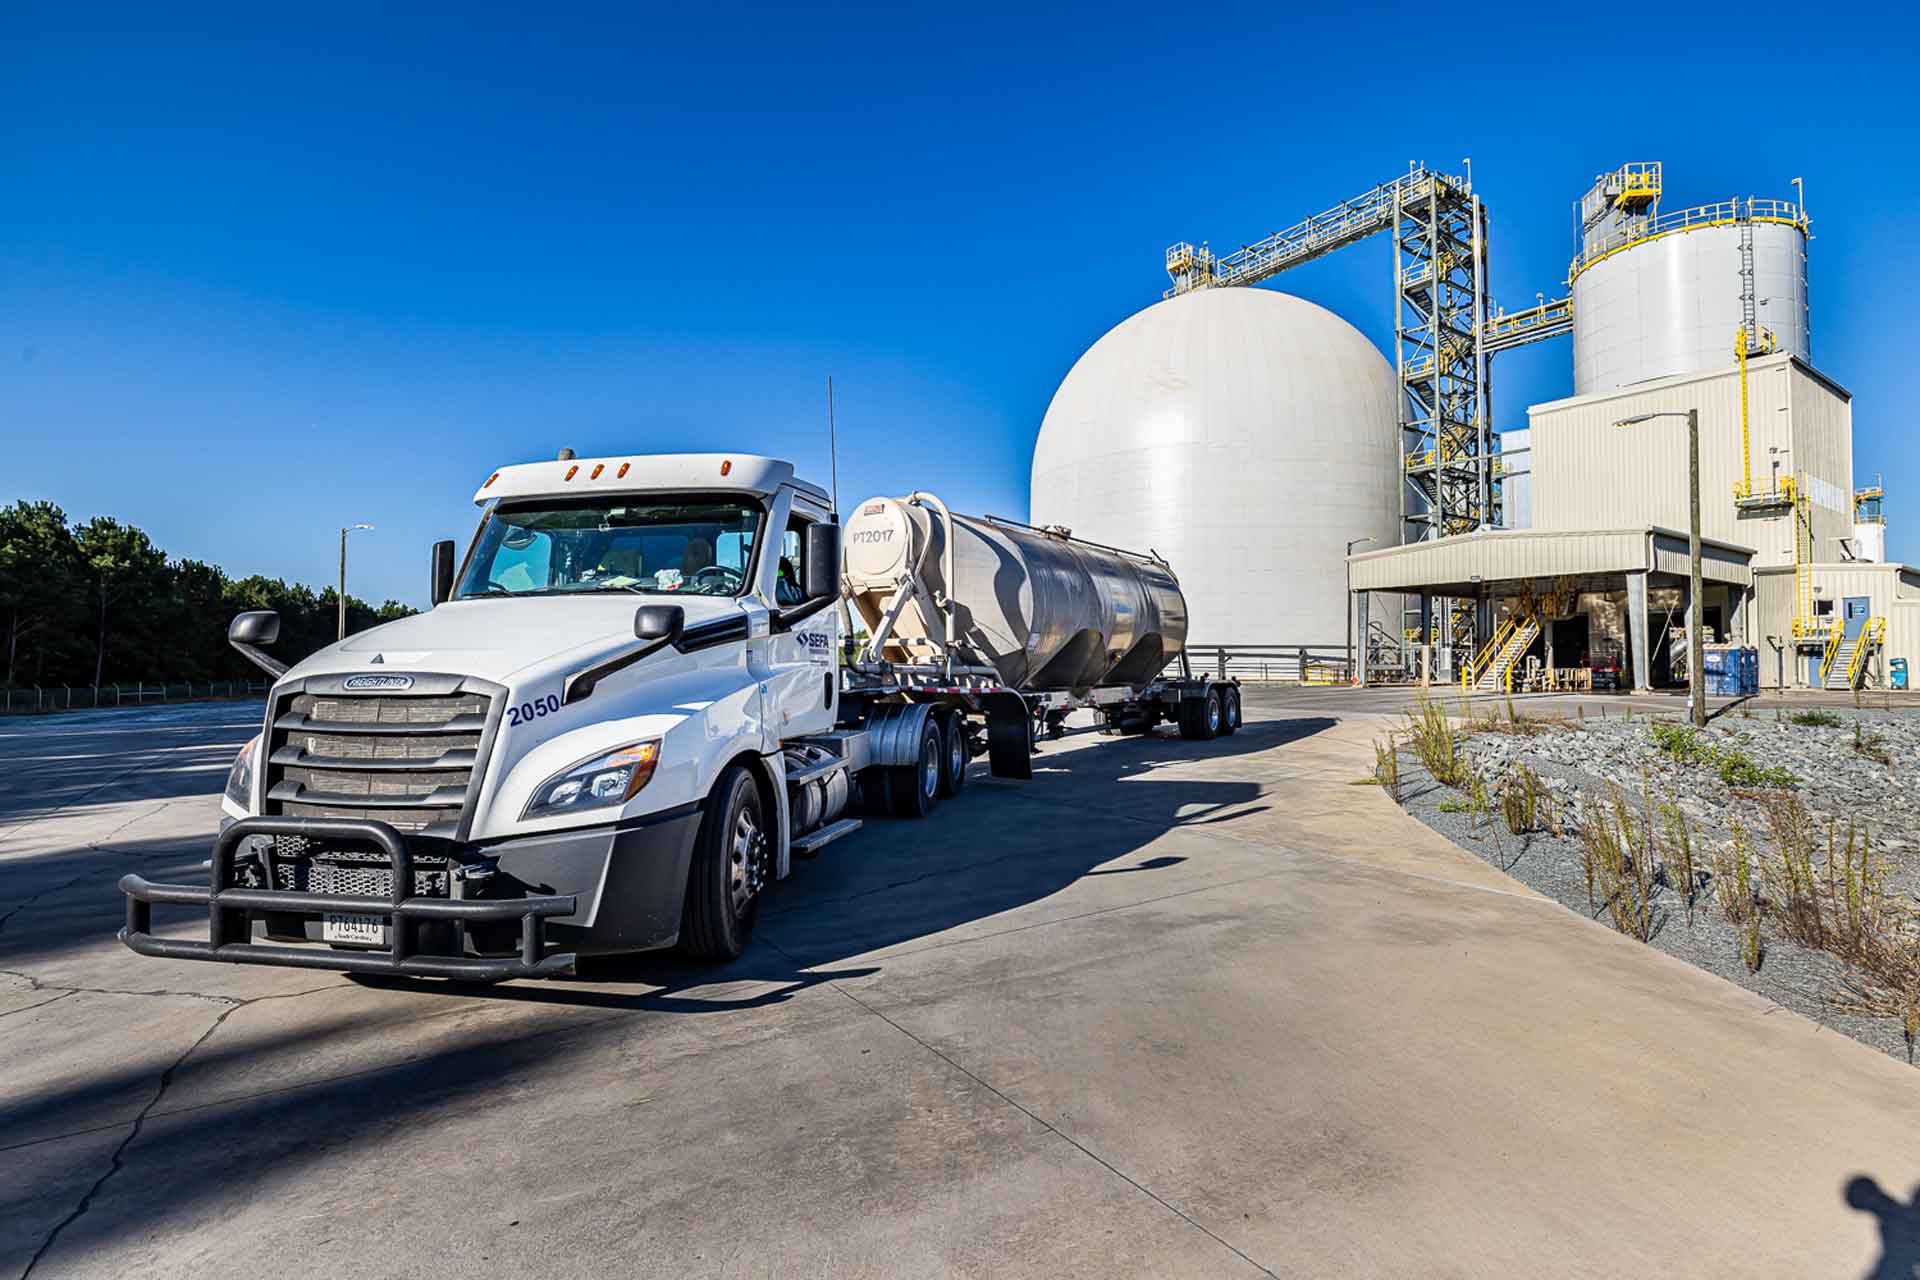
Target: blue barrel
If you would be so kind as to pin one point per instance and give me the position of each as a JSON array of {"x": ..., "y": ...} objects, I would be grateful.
[
  {"x": 1897, "y": 672},
  {"x": 1731, "y": 671}
]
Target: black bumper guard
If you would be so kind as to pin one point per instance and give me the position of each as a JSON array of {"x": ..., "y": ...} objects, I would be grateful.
[{"x": 229, "y": 936}]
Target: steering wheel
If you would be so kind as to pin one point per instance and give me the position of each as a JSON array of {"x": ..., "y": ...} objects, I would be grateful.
[{"x": 729, "y": 577}]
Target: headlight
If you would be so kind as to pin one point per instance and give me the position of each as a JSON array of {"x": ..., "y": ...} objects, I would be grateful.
[
  {"x": 596, "y": 783},
  {"x": 240, "y": 777}
]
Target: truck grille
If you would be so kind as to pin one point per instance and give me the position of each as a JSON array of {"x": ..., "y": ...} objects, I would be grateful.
[
  {"x": 394, "y": 758},
  {"x": 302, "y": 866}
]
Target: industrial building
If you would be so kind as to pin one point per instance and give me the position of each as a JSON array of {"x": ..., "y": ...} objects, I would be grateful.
[{"x": 1252, "y": 436}]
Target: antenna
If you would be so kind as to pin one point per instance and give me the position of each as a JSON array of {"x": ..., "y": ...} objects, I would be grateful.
[{"x": 833, "y": 448}]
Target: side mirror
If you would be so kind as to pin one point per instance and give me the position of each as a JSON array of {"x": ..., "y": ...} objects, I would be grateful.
[
  {"x": 821, "y": 551},
  {"x": 248, "y": 631},
  {"x": 662, "y": 622},
  {"x": 442, "y": 589},
  {"x": 256, "y": 627}
]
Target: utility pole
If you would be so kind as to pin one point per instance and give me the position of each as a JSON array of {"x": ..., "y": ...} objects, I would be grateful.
[
  {"x": 345, "y": 530},
  {"x": 1696, "y": 647}
]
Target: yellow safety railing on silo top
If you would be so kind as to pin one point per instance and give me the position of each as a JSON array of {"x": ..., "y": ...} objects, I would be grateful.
[{"x": 1722, "y": 213}]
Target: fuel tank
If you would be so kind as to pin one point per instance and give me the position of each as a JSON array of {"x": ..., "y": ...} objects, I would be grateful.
[{"x": 1047, "y": 611}]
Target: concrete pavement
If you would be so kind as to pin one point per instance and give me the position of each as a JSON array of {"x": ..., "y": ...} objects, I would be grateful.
[{"x": 1168, "y": 1009}]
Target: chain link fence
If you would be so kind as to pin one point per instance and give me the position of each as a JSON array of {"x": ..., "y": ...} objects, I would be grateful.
[{"x": 40, "y": 699}]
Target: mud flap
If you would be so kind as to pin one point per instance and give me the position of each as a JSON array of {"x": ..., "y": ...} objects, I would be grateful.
[{"x": 1009, "y": 735}]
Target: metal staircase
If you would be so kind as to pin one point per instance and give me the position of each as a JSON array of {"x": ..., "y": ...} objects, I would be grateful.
[
  {"x": 1845, "y": 661},
  {"x": 1491, "y": 670}
]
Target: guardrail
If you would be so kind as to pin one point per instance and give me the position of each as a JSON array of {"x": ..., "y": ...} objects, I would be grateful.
[
  {"x": 1287, "y": 663},
  {"x": 33, "y": 699},
  {"x": 1719, "y": 214}
]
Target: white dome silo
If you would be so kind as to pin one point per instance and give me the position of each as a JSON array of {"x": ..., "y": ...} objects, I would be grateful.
[{"x": 1246, "y": 436}]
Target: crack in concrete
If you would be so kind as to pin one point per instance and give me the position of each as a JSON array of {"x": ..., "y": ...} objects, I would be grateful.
[
  {"x": 40, "y": 984},
  {"x": 118, "y": 1160},
  {"x": 43, "y": 1004},
  {"x": 22, "y": 905}
]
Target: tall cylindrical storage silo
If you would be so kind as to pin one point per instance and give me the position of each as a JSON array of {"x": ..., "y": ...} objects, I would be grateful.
[
  {"x": 1670, "y": 302},
  {"x": 1246, "y": 436}
]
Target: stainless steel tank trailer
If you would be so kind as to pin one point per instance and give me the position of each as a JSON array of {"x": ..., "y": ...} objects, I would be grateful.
[{"x": 638, "y": 700}]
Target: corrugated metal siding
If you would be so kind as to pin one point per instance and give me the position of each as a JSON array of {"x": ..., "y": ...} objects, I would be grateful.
[
  {"x": 1496, "y": 556},
  {"x": 1592, "y": 474},
  {"x": 1823, "y": 458},
  {"x": 1773, "y": 617},
  {"x": 1893, "y": 597},
  {"x": 1717, "y": 564}
]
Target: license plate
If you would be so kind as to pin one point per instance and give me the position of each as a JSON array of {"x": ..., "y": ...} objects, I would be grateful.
[{"x": 365, "y": 930}]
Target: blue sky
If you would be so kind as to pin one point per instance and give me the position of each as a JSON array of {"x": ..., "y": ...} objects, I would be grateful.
[{"x": 266, "y": 270}]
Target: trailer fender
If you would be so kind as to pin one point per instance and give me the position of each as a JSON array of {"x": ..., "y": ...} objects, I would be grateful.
[{"x": 893, "y": 731}]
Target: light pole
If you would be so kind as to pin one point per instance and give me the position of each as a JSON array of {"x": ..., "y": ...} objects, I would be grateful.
[
  {"x": 345, "y": 530},
  {"x": 1351, "y": 673},
  {"x": 1696, "y": 650}
]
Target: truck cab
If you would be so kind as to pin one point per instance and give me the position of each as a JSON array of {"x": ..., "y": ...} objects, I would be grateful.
[{"x": 618, "y": 664}]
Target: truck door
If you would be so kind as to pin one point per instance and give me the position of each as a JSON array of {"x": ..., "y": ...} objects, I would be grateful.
[{"x": 802, "y": 689}]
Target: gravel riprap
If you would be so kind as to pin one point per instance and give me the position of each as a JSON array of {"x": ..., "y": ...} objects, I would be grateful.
[{"x": 1840, "y": 779}]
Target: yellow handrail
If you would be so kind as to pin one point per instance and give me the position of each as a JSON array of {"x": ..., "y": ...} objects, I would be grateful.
[
  {"x": 1873, "y": 633},
  {"x": 1832, "y": 651},
  {"x": 1719, "y": 214},
  {"x": 1476, "y": 663}
]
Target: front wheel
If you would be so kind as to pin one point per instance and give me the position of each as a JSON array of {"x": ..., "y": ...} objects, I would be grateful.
[{"x": 732, "y": 862}]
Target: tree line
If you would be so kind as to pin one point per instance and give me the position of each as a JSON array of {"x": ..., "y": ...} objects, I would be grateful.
[{"x": 99, "y": 603}]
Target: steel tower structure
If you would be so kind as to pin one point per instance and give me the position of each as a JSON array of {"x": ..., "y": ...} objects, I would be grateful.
[
  {"x": 1439, "y": 235},
  {"x": 1445, "y": 331}
]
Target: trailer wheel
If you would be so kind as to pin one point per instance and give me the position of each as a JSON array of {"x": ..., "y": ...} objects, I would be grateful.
[
  {"x": 732, "y": 862},
  {"x": 914, "y": 789},
  {"x": 1229, "y": 709},
  {"x": 1200, "y": 717},
  {"x": 953, "y": 753}
]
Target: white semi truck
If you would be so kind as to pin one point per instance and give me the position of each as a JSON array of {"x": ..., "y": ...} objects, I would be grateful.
[{"x": 638, "y": 700}]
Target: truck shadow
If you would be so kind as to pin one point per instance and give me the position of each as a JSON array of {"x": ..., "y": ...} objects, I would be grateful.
[
  {"x": 378, "y": 1060},
  {"x": 999, "y": 847}
]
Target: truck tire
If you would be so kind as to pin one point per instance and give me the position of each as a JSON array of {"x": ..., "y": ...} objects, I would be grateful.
[
  {"x": 732, "y": 863},
  {"x": 1229, "y": 709},
  {"x": 914, "y": 789},
  {"x": 953, "y": 754},
  {"x": 1200, "y": 717}
]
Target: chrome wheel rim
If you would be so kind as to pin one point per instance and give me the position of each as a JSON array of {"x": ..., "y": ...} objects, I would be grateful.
[
  {"x": 956, "y": 752},
  {"x": 746, "y": 860},
  {"x": 1213, "y": 713},
  {"x": 930, "y": 772}
]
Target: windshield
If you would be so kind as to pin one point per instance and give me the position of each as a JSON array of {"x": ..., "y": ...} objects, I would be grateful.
[{"x": 690, "y": 546}]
